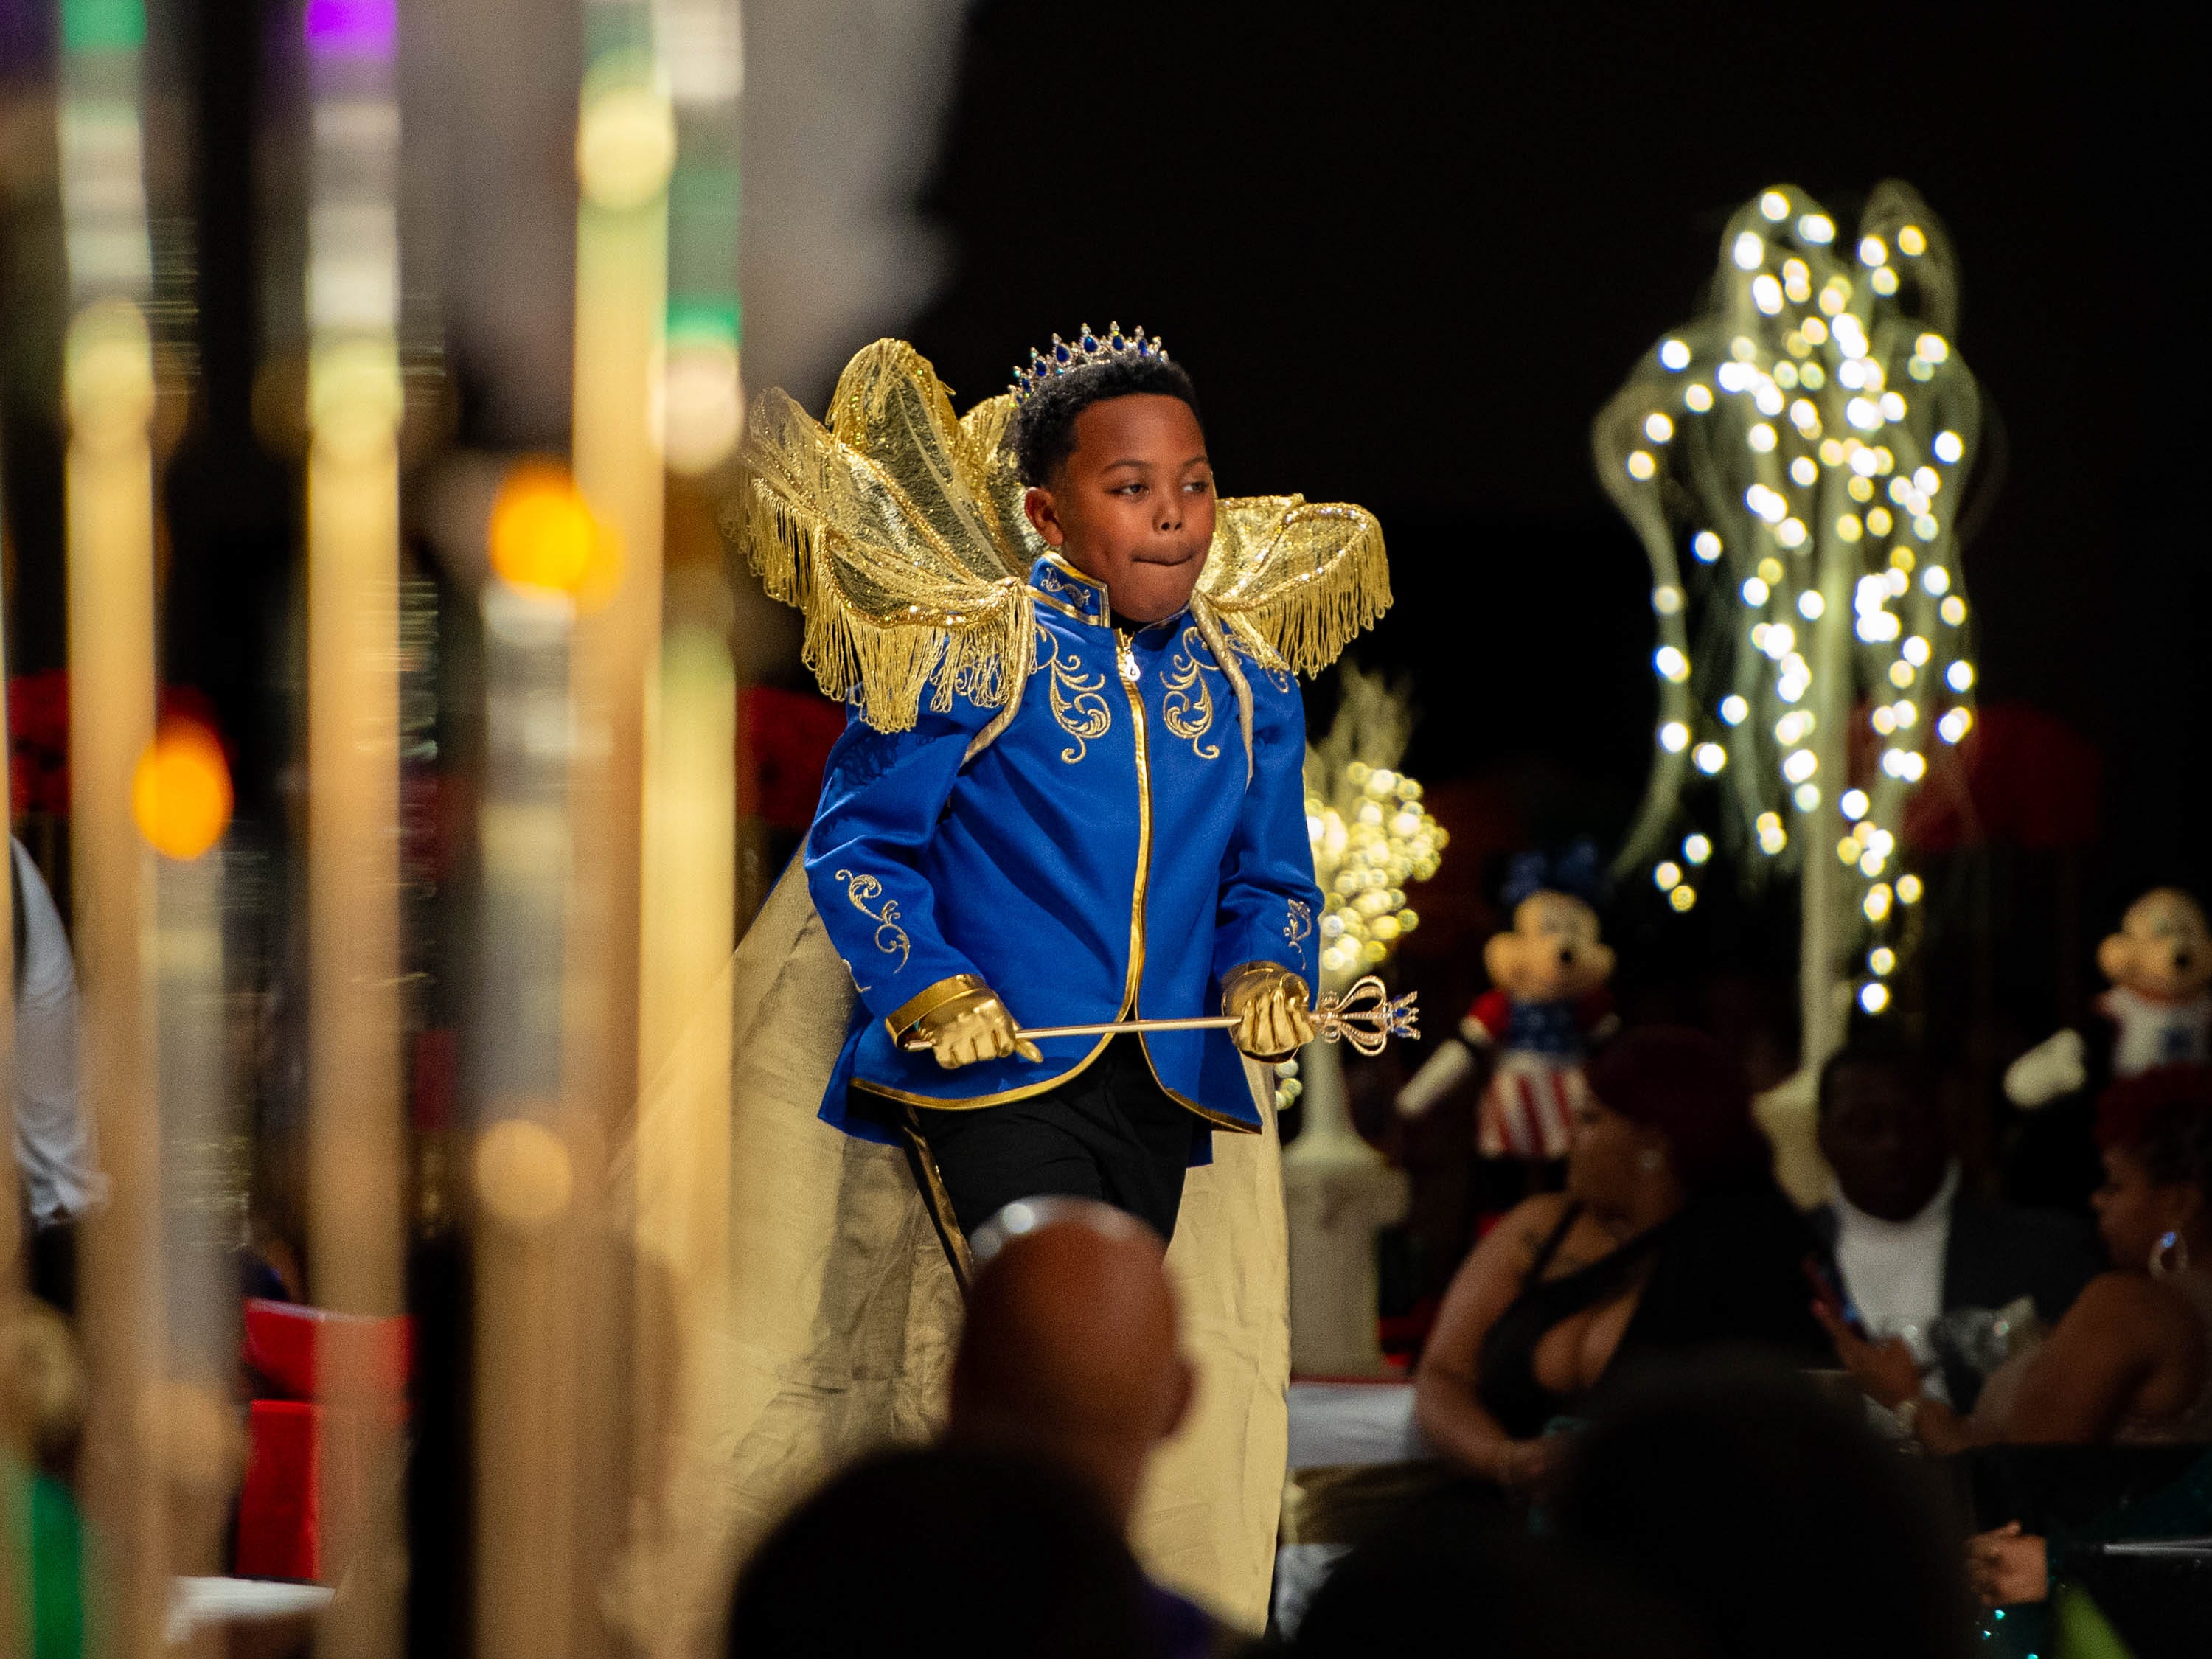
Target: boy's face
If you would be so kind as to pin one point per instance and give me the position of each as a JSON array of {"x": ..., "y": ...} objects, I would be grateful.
[{"x": 1133, "y": 506}]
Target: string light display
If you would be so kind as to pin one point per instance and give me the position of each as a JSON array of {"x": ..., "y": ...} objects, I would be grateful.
[
  {"x": 1370, "y": 837},
  {"x": 1806, "y": 442},
  {"x": 1370, "y": 834}
]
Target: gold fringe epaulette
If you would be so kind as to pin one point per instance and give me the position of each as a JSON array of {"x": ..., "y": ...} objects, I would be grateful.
[
  {"x": 1296, "y": 581},
  {"x": 883, "y": 532},
  {"x": 884, "y": 659}
]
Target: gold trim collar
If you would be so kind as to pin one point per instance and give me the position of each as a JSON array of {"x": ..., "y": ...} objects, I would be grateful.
[{"x": 1069, "y": 590}]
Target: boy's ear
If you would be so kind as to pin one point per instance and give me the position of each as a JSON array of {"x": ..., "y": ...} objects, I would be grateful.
[{"x": 1044, "y": 514}]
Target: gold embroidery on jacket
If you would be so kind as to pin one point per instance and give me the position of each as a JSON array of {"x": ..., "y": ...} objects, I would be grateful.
[
  {"x": 1299, "y": 926},
  {"x": 891, "y": 938},
  {"x": 1187, "y": 708},
  {"x": 1076, "y": 704}
]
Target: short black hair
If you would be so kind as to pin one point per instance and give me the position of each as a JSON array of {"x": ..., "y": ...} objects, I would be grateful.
[
  {"x": 1044, "y": 426},
  {"x": 1878, "y": 1052}
]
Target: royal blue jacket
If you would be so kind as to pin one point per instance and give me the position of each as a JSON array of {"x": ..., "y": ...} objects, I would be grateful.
[{"x": 1105, "y": 857}]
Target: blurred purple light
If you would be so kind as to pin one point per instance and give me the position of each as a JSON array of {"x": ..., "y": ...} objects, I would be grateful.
[{"x": 351, "y": 28}]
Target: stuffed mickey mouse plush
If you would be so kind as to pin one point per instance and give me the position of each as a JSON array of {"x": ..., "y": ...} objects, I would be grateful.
[
  {"x": 2159, "y": 1011},
  {"x": 1546, "y": 1008}
]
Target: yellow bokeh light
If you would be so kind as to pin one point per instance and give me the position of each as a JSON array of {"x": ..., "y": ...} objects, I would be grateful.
[
  {"x": 180, "y": 792},
  {"x": 545, "y": 536}
]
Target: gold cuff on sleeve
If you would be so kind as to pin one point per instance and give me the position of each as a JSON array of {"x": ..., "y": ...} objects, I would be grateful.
[{"x": 928, "y": 1000}]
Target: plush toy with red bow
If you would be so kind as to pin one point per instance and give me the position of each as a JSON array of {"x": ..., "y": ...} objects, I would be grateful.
[{"x": 1546, "y": 1008}]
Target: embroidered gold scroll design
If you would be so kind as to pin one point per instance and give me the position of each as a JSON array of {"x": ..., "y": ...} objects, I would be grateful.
[
  {"x": 891, "y": 938},
  {"x": 1187, "y": 708},
  {"x": 1076, "y": 704}
]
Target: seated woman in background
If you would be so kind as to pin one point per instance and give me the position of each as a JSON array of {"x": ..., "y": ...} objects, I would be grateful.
[
  {"x": 2131, "y": 1362},
  {"x": 1671, "y": 1235}
]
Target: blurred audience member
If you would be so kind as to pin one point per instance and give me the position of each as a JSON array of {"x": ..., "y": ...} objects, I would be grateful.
[
  {"x": 1909, "y": 1246},
  {"x": 1070, "y": 1348},
  {"x": 1070, "y": 1354},
  {"x": 1441, "y": 1581},
  {"x": 1770, "y": 1517},
  {"x": 41, "y": 1533},
  {"x": 2132, "y": 1359},
  {"x": 56, "y": 1157},
  {"x": 1671, "y": 1235},
  {"x": 949, "y": 1550}
]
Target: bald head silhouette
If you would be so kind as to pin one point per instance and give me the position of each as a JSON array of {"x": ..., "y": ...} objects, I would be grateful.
[{"x": 1070, "y": 1349}]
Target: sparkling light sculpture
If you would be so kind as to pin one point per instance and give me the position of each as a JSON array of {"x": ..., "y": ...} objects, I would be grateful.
[
  {"x": 1370, "y": 832},
  {"x": 1806, "y": 444}
]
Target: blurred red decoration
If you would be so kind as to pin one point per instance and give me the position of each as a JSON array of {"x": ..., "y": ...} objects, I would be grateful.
[
  {"x": 2020, "y": 776},
  {"x": 784, "y": 739},
  {"x": 37, "y": 736}
]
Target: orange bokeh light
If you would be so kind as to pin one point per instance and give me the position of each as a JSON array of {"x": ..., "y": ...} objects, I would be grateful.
[
  {"x": 545, "y": 536},
  {"x": 180, "y": 791}
]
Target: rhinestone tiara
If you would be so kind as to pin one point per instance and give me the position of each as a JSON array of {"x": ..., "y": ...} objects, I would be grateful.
[{"x": 1086, "y": 350}]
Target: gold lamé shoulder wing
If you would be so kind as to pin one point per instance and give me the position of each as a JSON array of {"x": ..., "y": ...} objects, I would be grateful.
[
  {"x": 884, "y": 530},
  {"x": 1294, "y": 580}
]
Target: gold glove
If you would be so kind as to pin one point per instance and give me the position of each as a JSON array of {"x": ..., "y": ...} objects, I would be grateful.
[
  {"x": 1274, "y": 1019},
  {"x": 971, "y": 1025}
]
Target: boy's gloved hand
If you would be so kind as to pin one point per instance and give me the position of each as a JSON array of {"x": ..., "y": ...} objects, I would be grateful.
[
  {"x": 1270, "y": 1003},
  {"x": 972, "y": 1026}
]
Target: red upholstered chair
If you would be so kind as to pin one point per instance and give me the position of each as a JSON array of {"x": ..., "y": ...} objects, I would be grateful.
[{"x": 303, "y": 1473}]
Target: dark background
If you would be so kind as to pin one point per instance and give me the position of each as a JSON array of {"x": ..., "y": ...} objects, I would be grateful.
[{"x": 1408, "y": 251}]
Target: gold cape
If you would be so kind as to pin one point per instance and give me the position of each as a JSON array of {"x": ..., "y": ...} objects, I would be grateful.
[{"x": 897, "y": 530}]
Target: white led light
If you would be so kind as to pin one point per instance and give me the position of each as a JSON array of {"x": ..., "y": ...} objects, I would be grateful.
[
  {"x": 1709, "y": 758},
  {"x": 1707, "y": 546},
  {"x": 1854, "y": 804},
  {"x": 1735, "y": 710},
  {"x": 1950, "y": 446},
  {"x": 1674, "y": 355},
  {"x": 1674, "y": 736},
  {"x": 1750, "y": 251}
]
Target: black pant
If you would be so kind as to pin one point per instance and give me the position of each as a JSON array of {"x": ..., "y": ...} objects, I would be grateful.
[{"x": 1108, "y": 1132}]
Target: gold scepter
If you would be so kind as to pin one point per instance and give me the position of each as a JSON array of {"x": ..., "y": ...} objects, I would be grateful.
[{"x": 1364, "y": 1014}]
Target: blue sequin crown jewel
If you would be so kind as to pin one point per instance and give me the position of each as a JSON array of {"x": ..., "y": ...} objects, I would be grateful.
[{"x": 1086, "y": 350}]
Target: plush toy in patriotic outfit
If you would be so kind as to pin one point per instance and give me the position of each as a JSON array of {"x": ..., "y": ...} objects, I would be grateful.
[{"x": 1546, "y": 1007}]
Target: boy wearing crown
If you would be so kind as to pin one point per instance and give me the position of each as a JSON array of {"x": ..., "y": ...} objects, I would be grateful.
[{"x": 1071, "y": 788}]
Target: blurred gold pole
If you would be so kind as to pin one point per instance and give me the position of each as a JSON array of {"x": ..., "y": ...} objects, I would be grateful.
[
  {"x": 109, "y": 502},
  {"x": 356, "y": 1142},
  {"x": 625, "y": 151},
  {"x": 683, "y": 1161},
  {"x": 530, "y": 1437},
  {"x": 355, "y": 1154}
]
